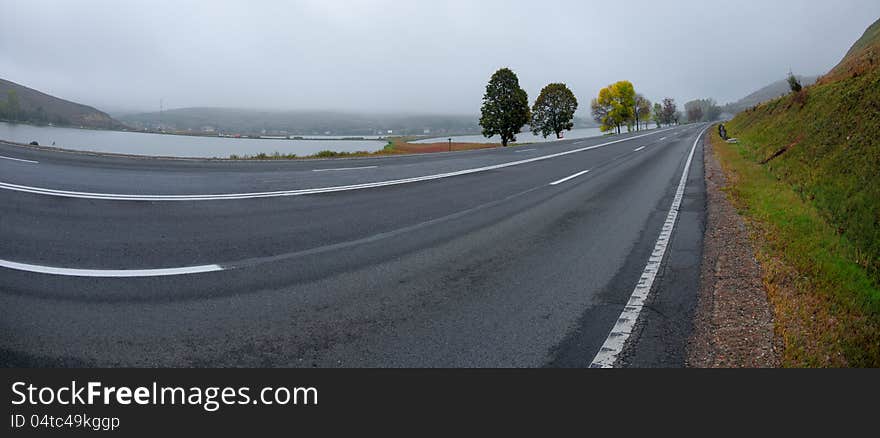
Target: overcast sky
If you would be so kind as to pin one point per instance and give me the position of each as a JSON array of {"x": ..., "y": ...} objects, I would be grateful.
[{"x": 411, "y": 56}]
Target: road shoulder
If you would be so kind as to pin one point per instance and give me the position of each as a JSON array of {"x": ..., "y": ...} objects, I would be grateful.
[{"x": 733, "y": 323}]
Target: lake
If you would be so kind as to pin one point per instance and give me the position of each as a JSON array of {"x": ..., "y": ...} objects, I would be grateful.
[
  {"x": 524, "y": 137},
  {"x": 140, "y": 143}
]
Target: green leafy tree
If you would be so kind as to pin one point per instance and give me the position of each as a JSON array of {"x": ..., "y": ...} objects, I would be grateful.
[
  {"x": 657, "y": 115},
  {"x": 554, "y": 110},
  {"x": 12, "y": 106},
  {"x": 505, "y": 107},
  {"x": 794, "y": 83}
]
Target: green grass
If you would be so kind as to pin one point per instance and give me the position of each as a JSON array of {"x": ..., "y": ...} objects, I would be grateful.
[
  {"x": 387, "y": 150},
  {"x": 826, "y": 305},
  {"x": 832, "y": 132}
]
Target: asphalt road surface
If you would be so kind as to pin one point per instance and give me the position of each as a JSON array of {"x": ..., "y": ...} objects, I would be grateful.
[{"x": 512, "y": 257}]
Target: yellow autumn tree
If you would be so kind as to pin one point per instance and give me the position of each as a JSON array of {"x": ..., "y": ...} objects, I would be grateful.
[{"x": 614, "y": 106}]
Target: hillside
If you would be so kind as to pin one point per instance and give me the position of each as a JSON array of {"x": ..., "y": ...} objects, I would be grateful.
[
  {"x": 770, "y": 92},
  {"x": 823, "y": 144},
  {"x": 826, "y": 142},
  {"x": 29, "y": 105}
]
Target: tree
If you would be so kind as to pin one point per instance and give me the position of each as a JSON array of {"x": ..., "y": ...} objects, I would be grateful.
[
  {"x": 702, "y": 110},
  {"x": 794, "y": 83},
  {"x": 12, "y": 105},
  {"x": 615, "y": 103},
  {"x": 505, "y": 107},
  {"x": 657, "y": 115},
  {"x": 600, "y": 114},
  {"x": 694, "y": 111},
  {"x": 669, "y": 111},
  {"x": 641, "y": 110},
  {"x": 554, "y": 110}
]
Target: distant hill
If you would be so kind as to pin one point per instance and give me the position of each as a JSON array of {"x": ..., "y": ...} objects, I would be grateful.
[
  {"x": 305, "y": 123},
  {"x": 825, "y": 142},
  {"x": 770, "y": 92},
  {"x": 29, "y": 105},
  {"x": 246, "y": 121}
]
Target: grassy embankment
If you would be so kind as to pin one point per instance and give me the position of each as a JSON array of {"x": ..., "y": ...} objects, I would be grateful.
[
  {"x": 395, "y": 146},
  {"x": 806, "y": 177}
]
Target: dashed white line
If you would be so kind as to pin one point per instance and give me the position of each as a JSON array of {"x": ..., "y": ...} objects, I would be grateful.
[
  {"x": 639, "y": 149},
  {"x": 623, "y": 328},
  {"x": 568, "y": 178},
  {"x": 526, "y": 150},
  {"x": 115, "y": 273},
  {"x": 19, "y": 159},
  {"x": 299, "y": 192},
  {"x": 339, "y": 169}
]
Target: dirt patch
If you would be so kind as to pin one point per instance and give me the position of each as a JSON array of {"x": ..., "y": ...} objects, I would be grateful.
[
  {"x": 733, "y": 325},
  {"x": 401, "y": 144}
]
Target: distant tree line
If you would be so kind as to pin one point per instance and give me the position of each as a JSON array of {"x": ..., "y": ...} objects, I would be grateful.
[
  {"x": 702, "y": 110},
  {"x": 11, "y": 110},
  {"x": 506, "y": 110}
]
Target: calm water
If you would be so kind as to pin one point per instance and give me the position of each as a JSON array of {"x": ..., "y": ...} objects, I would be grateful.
[
  {"x": 524, "y": 137},
  {"x": 139, "y": 143}
]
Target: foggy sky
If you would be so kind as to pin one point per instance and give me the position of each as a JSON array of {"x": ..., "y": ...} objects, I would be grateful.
[{"x": 411, "y": 56}]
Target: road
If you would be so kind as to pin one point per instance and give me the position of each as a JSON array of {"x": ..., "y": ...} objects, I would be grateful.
[{"x": 512, "y": 257}]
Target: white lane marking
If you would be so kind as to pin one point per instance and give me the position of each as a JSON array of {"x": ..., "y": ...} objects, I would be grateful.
[
  {"x": 117, "y": 273},
  {"x": 526, "y": 150},
  {"x": 19, "y": 159},
  {"x": 623, "y": 328},
  {"x": 568, "y": 178},
  {"x": 638, "y": 149},
  {"x": 339, "y": 169},
  {"x": 298, "y": 192},
  {"x": 664, "y": 138}
]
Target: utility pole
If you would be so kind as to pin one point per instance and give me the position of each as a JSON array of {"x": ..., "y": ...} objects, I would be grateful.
[{"x": 450, "y": 144}]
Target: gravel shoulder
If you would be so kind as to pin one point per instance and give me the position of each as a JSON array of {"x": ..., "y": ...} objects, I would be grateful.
[{"x": 733, "y": 324}]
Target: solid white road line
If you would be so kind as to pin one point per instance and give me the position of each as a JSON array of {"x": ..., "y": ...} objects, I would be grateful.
[
  {"x": 299, "y": 192},
  {"x": 623, "y": 328},
  {"x": 118, "y": 273},
  {"x": 19, "y": 159},
  {"x": 638, "y": 149},
  {"x": 568, "y": 178},
  {"x": 338, "y": 169}
]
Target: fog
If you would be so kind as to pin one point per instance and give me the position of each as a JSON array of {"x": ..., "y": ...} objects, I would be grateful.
[{"x": 425, "y": 57}]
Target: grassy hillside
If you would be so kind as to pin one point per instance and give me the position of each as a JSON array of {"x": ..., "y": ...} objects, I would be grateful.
[
  {"x": 824, "y": 145},
  {"x": 825, "y": 142},
  {"x": 20, "y": 103}
]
